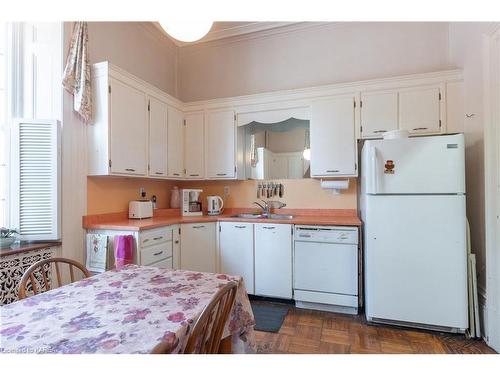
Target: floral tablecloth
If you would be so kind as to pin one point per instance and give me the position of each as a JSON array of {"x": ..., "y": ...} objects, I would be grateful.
[{"x": 129, "y": 310}]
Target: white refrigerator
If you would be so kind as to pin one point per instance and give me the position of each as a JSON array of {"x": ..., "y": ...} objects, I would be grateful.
[{"x": 413, "y": 210}]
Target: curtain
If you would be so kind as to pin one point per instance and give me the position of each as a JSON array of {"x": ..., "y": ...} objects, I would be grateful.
[{"x": 76, "y": 79}]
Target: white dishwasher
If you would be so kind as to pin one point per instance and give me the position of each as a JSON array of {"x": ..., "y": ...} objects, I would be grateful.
[{"x": 326, "y": 268}]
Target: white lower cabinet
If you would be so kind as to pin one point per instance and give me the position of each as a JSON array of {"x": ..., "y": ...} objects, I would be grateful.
[
  {"x": 198, "y": 247},
  {"x": 236, "y": 251},
  {"x": 273, "y": 260},
  {"x": 156, "y": 247}
]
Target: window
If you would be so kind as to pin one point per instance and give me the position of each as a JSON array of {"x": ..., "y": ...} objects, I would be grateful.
[
  {"x": 31, "y": 94},
  {"x": 4, "y": 145}
]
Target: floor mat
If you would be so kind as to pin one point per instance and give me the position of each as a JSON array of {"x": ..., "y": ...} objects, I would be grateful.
[{"x": 269, "y": 316}]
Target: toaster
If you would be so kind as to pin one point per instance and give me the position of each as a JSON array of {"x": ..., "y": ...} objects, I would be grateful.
[{"x": 140, "y": 209}]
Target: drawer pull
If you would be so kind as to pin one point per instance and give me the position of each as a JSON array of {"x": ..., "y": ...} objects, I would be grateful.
[
  {"x": 130, "y": 169},
  {"x": 240, "y": 226},
  {"x": 176, "y": 174},
  {"x": 221, "y": 174},
  {"x": 198, "y": 226},
  {"x": 158, "y": 172},
  {"x": 269, "y": 227},
  {"x": 145, "y": 240},
  {"x": 420, "y": 128},
  {"x": 332, "y": 171},
  {"x": 194, "y": 175},
  {"x": 380, "y": 131},
  {"x": 305, "y": 235},
  {"x": 157, "y": 238},
  {"x": 158, "y": 253}
]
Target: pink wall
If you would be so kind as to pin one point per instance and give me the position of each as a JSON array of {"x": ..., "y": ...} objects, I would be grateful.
[
  {"x": 138, "y": 48},
  {"x": 339, "y": 52}
]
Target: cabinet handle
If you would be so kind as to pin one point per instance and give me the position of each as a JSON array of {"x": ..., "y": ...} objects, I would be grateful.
[
  {"x": 269, "y": 227},
  {"x": 177, "y": 241},
  {"x": 332, "y": 171},
  {"x": 194, "y": 175},
  {"x": 145, "y": 240},
  {"x": 198, "y": 226},
  {"x": 157, "y": 238},
  {"x": 221, "y": 174},
  {"x": 380, "y": 131},
  {"x": 176, "y": 174},
  {"x": 419, "y": 128},
  {"x": 305, "y": 235},
  {"x": 158, "y": 172},
  {"x": 158, "y": 253},
  {"x": 130, "y": 169},
  {"x": 240, "y": 226}
]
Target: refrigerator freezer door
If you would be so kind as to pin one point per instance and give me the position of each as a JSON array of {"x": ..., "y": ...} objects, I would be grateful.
[
  {"x": 424, "y": 165},
  {"x": 416, "y": 259}
]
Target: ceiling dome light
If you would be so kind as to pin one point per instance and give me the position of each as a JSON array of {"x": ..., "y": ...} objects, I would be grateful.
[{"x": 186, "y": 31}]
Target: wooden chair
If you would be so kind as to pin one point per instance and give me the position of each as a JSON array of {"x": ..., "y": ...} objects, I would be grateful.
[
  {"x": 43, "y": 267},
  {"x": 205, "y": 338}
]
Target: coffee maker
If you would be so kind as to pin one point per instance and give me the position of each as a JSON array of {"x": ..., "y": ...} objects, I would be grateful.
[{"x": 191, "y": 203}]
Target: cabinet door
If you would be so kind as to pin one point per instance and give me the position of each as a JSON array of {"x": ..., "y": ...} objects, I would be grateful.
[
  {"x": 175, "y": 143},
  {"x": 198, "y": 247},
  {"x": 220, "y": 155},
  {"x": 379, "y": 113},
  {"x": 176, "y": 248},
  {"x": 273, "y": 260},
  {"x": 158, "y": 120},
  {"x": 236, "y": 251},
  {"x": 194, "y": 143},
  {"x": 419, "y": 110},
  {"x": 129, "y": 129},
  {"x": 333, "y": 143}
]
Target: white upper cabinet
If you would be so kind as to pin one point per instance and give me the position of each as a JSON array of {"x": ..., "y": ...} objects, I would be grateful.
[
  {"x": 379, "y": 113},
  {"x": 419, "y": 109},
  {"x": 175, "y": 143},
  {"x": 332, "y": 134},
  {"x": 158, "y": 121},
  {"x": 220, "y": 145},
  {"x": 194, "y": 154},
  {"x": 129, "y": 124}
]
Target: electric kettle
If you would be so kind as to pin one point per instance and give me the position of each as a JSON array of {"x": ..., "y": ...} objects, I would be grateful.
[{"x": 214, "y": 205}]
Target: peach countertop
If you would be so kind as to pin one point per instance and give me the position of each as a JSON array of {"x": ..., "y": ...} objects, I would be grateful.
[{"x": 163, "y": 217}]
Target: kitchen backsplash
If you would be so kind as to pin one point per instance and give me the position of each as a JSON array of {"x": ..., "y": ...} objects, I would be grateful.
[{"x": 112, "y": 194}]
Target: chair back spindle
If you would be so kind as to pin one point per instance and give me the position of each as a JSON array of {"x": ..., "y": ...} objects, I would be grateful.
[{"x": 43, "y": 267}]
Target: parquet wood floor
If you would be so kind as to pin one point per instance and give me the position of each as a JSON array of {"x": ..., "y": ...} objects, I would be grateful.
[{"x": 309, "y": 332}]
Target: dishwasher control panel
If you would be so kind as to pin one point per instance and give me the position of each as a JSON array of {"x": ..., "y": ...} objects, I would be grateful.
[{"x": 316, "y": 233}]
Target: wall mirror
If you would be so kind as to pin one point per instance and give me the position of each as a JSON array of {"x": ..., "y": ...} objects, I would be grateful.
[{"x": 275, "y": 150}]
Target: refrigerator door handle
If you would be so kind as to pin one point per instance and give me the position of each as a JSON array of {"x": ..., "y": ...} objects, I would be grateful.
[{"x": 374, "y": 170}]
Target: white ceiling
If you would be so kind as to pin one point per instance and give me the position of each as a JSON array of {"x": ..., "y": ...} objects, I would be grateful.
[{"x": 222, "y": 30}]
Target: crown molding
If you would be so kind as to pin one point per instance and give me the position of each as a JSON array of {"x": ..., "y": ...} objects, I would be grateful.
[{"x": 244, "y": 32}]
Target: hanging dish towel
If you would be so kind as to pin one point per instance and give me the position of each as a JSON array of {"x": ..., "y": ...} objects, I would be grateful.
[
  {"x": 76, "y": 78},
  {"x": 97, "y": 252},
  {"x": 124, "y": 250}
]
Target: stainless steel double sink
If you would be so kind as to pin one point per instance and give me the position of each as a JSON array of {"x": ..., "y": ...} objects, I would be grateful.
[{"x": 264, "y": 216}]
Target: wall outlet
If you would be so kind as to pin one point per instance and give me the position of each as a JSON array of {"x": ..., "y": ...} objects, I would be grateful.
[{"x": 226, "y": 191}]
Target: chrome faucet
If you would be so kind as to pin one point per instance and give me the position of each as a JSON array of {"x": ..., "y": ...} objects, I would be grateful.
[{"x": 266, "y": 206}]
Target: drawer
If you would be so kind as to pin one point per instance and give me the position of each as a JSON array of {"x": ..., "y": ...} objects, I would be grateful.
[
  {"x": 165, "y": 263},
  {"x": 155, "y": 236},
  {"x": 153, "y": 254}
]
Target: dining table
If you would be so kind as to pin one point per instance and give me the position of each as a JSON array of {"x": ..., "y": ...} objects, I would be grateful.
[{"x": 125, "y": 310}]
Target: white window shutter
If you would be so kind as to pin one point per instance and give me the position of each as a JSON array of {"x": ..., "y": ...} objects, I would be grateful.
[{"x": 36, "y": 179}]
